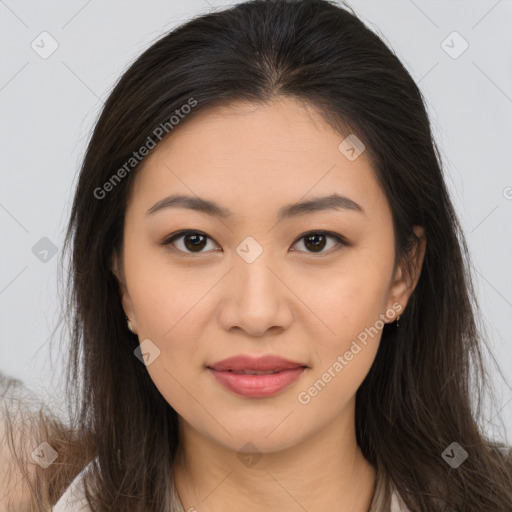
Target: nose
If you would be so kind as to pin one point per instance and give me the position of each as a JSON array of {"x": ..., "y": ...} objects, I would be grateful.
[{"x": 257, "y": 299}]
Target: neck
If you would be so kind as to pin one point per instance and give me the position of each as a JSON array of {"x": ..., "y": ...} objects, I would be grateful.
[{"x": 326, "y": 471}]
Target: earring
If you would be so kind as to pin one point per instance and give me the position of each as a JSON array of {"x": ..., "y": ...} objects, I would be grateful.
[
  {"x": 397, "y": 318},
  {"x": 129, "y": 324}
]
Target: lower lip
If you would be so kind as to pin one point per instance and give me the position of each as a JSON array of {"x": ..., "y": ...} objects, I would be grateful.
[{"x": 257, "y": 386}]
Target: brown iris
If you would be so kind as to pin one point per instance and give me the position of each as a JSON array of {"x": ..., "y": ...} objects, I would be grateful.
[{"x": 316, "y": 246}]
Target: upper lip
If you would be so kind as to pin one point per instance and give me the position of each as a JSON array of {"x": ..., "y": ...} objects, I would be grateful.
[{"x": 247, "y": 362}]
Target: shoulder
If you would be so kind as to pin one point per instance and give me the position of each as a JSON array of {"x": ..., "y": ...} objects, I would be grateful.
[
  {"x": 397, "y": 504},
  {"x": 73, "y": 499},
  {"x": 386, "y": 496}
]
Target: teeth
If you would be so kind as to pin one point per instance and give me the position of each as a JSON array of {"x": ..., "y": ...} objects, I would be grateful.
[{"x": 254, "y": 372}]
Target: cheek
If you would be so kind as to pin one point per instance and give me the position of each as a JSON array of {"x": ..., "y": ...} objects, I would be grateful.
[
  {"x": 174, "y": 322},
  {"x": 351, "y": 305},
  {"x": 344, "y": 353},
  {"x": 163, "y": 294},
  {"x": 332, "y": 385},
  {"x": 348, "y": 300}
]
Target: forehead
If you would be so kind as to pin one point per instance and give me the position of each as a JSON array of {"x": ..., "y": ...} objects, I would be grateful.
[{"x": 255, "y": 157}]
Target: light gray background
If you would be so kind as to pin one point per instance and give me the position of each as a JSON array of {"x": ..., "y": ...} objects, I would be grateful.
[{"x": 48, "y": 108}]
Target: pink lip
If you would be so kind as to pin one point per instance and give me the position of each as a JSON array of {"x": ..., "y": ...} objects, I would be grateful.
[{"x": 257, "y": 386}]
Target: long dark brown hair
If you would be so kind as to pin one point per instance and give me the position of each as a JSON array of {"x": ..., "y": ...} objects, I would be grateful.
[{"x": 424, "y": 390}]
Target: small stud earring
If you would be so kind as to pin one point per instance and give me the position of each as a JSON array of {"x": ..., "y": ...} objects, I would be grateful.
[{"x": 397, "y": 318}]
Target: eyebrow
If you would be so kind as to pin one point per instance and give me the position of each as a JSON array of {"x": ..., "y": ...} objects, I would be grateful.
[{"x": 208, "y": 207}]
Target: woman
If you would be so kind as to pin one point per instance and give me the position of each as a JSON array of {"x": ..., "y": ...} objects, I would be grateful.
[{"x": 262, "y": 194}]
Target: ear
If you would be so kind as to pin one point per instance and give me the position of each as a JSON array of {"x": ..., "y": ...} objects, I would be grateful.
[
  {"x": 407, "y": 275},
  {"x": 117, "y": 268}
]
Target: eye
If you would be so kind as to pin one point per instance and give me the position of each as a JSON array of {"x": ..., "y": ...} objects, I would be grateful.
[
  {"x": 195, "y": 241},
  {"x": 316, "y": 241}
]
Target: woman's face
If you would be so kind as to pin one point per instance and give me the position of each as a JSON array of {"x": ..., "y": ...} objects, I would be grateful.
[{"x": 254, "y": 282}]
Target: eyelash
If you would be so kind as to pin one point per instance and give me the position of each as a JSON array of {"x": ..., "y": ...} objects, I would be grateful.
[{"x": 339, "y": 239}]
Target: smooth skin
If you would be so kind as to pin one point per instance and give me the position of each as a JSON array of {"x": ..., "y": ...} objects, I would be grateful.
[{"x": 200, "y": 304}]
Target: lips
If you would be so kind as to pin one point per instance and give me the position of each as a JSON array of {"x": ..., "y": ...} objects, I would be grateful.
[
  {"x": 256, "y": 377},
  {"x": 245, "y": 364}
]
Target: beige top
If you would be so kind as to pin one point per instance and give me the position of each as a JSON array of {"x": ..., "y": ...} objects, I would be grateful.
[{"x": 73, "y": 500}]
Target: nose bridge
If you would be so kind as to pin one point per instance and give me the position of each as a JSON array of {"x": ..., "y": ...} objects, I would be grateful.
[
  {"x": 257, "y": 296},
  {"x": 253, "y": 262}
]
